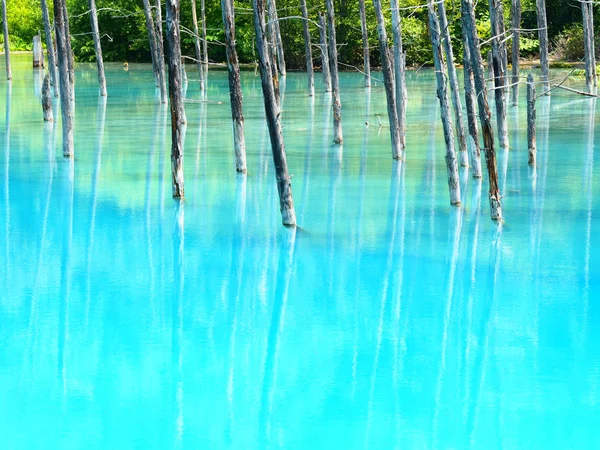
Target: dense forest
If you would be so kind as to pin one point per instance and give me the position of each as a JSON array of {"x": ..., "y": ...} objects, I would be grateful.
[{"x": 124, "y": 35}]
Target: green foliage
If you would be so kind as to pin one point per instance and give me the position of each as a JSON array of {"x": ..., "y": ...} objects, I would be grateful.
[{"x": 124, "y": 34}]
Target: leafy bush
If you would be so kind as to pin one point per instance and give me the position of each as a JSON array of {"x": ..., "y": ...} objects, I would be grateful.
[{"x": 568, "y": 45}]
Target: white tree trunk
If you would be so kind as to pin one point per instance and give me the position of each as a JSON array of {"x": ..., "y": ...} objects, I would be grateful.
[
  {"x": 235, "y": 89},
  {"x": 400, "y": 76},
  {"x": 276, "y": 33},
  {"x": 6, "y": 44},
  {"x": 160, "y": 54},
  {"x": 442, "y": 93},
  {"x": 197, "y": 47},
  {"x": 531, "y": 116},
  {"x": 324, "y": 53},
  {"x": 63, "y": 70},
  {"x": 307, "y": 49},
  {"x": 389, "y": 83},
  {"x": 365, "y": 42},
  {"x": 47, "y": 100},
  {"x": 50, "y": 47},
  {"x": 204, "y": 41},
  {"x": 498, "y": 53},
  {"x": 97, "y": 47},
  {"x": 587, "y": 12},
  {"x": 38, "y": 55},
  {"x": 516, "y": 47},
  {"x": 542, "y": 23},
  {"x": 335, "y": 81},
  {"x": 471, "y": 110},
  {"x": 284, "y": 182}
]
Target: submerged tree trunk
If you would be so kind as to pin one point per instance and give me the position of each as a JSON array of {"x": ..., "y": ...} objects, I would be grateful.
[
  {"x": 63, "y": 70},
  {"x": 531, "y": 115},
  {"x": 49, "y": 46},
  {"x": 276, "y": 33},
  {"x": 543, "y": 38},
  {"x": 471, "y": 110},
  {"x": 307, "y": 49},
  {"x": 235, "y": 89},
  {"x": 335, "y": 81},
  {"x": 160, "y": 54},
  {"x": 498, "y": 53},
  {"x": 485, "y": 117},
  {"x": 38, "y": 55},
  {"x": 324, "y": 53},
  {"x": 399, "y": 67},
  {"x": 6, "y": 44},
  {"x": 47, "y": 100},
  {"x": 389, "y": 84},
  {"x": 197, "y": 43},
  {"x": 442, "y": 93},
  {"x": 175, "y": 97},
  {"x": 151, "y": 40},
  {"x": 365, "y": 42},
  {"x": 587, "y": 11},
  {"x": 97, "y": 47},
  {"x": 284, "y": 182},
  {"x": 455, "y": 92},
  {"x": 516, "y": 47}
]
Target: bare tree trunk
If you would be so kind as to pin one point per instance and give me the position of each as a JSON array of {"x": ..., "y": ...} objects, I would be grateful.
[
  {"x": 365, "y": 42},
  {"x": 498, "y": 52},
  {"x": 324, "y": 53},
  {"x": 531, "y": 115},
  {"x": 485, "y": 117},
  {"x": 47, "y": 100},
  {"x": 197, "y": 44},
  {"x": 38, "y": 54},
  {"x": 70, "y": 54},
  {"x": 399, "y": 66},
  {"x": 335, "y": 81},
  {"x": 235, "y": 89},
  {"x": 442, "y": 93},
  {"x": 516, "y": 48},
  {"x": 276, "y": 31},
  {"x": 284, "y": 182},
  {"x": 49, "y": 46},
  {"x": 471, "y": 110},
  {"x": 6, "y": 44},
  {"x": 97, "y": 47},
  {"x": 587, "y": 11},
  {"x": 308, "y": 50},
  {"x": 160, "y": 54},
  {"x": 151, "y": 40},
  {"x": 175, "y": 97},
  {"x": 204, "y": 41},
  {"x": 455, "y": 92},
  {"x": 389, "y": 84},
  {"x": 63, "y": 70},
  {"x": 543, "y": 38}
]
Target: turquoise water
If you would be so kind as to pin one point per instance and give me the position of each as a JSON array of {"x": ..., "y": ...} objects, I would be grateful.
[{"x": 389, "y": 319}]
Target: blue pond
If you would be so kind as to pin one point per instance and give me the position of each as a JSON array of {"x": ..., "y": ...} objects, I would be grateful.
[{"x": 388, "y": 319}]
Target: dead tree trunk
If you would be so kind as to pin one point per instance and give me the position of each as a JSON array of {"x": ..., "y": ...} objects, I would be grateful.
[
  {"x": 160, "y": 54},
  {"x": 471, "y": 110},
  {"x": 442, "y": 93},
  {"x": 542, "y": 23},
  {"x": 38, "y": 55},
  {"x": 284, "y": 182},
  {"x": 6, "y": 45},
  {"x": 531, "y": 115},
  {"x": 175, "y": 97},
  {"x": 276, "y": 35},
  {"x": 70, "y": 54},
  {"x": 485, "y": 117},
  {"x": 335, "y": 81},
  {"x": 365, "y": 42},
  {"x": 197, "y": 44},
  {"x": 400, "y": 86},
  {"x": 49, "y": 46},
  {"x": 47, "y": 100},
  {"x": 587, "y": 11},
  {"x": 324, "y": 53},
  {"x": 97, "y": 47},
  {"x": 516, "y": 48},
  {"x": 498, "y": 52},
  {"x": 204, "y": 41},
  {"x": 235, "y": 89},
  {"x": 308, "y": 50},
  {"x": 151, "y": 40},
  {"x": 63, "y": 71},
  {"x": 389, "y": 83},
  {"x": 454, "y": 91}
]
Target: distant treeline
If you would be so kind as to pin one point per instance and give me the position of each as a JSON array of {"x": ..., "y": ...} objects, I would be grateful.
[{"x": 124, "y": 36}]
